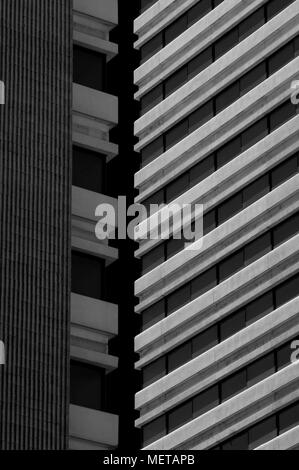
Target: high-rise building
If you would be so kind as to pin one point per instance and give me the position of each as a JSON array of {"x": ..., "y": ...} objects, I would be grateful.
[
  {"x": 218, "y": 128},
  {"x": 60, "y": 289}
]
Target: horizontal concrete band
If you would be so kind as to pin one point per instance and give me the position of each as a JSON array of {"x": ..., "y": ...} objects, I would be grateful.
[
  {"x": 219, "y": 362},
  {"x": 193, "y": 41},
  {"x": 217, "y": 131},
  {"x": 220, "y": 74},
  {"x": 240, "y": 412},
  {"x": 229, "y": 296},
  {"x": 236, "y": 232},
  {"x": 231, "y": 178}
]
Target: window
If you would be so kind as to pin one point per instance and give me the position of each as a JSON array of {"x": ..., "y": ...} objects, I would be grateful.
[
  {"x": 179, "y": 416},
  {"x": 174, "y": 246},
  {"x": 209, "y": 222},
  {"x": 145, "y": 4},
  {"x": 226, "y": 42},
  {"x": 153, "y": 314},
  {"x": 284, "y": 171},
  {"x": 198, "y": 11},
  {"x": 179, "y": 356},
  {"x": 175, "y": 81},
  {"x": 202, "y": 170},
  {"x": 176, "y": 134},
  {"x": 254, "y": 134},
  {"x": 153, "y": 46},
  {"x": 228, "y": 152},
  {"x": 287, "y": 291},
  {"x": 288, "y": 418},
  {"x": 177, "y": 187},
  {"x": 284, "y": 356},
  {"x": 253, "y": 78},
  {"x": 276, "y": 6},
  {"x": 89, "y": 169},
  {"x": 229, "y": 208},
  {"x": 200, "y": 116},
  {"x": 286, "y": 230},
  {"x": 154, "y": 371},
  {"x": 87, "y": 275},
  {"x": 260, "y": 369},
  {"x": 281, "y": 57},
  {"x": 205, "y": 341},
  {"x": 175, "y": 29},
  {"x": 152, "y": 151},
  {"x": 203, "y": 283},
  {"x": 231, "y": 265},
  {"x": 200, "y": 62},
  {"x": 237, "y": 443},
  {"x": 152, "y": 98},
  {"x": 251, "y": 24},
  {"x": 154, "y": 430},
  {"x": 87, "y": 385},
  {"x": 179, "y": 298},
  {"x": 205, "y": 401},
  {"x": 233, "y": 385},
  {"x": 153, "y": 259},
  {"x": 281, "y": 115},
  {"x": 227, "y": 97},
  {"x": 256, "y": 190},
  {"x": 86, "y": 60},
  {"x": 232, "y": 325},
  {"x": 259, "y": 308},
  {"x": 258, "y": 248},
  {"x": 262, "y": 432}
]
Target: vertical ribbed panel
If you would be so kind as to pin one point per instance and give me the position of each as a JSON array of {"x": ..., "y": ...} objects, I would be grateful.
[{"x": 35, "y": 124}]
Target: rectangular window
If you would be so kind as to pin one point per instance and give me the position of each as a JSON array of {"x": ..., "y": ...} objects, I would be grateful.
[
  {"x": 231, "y": 325},
  {"x": 227, "y": 97},
  {"x": 176, "y": 134},
  {"x": 259, "y": 308},
  {"x": 231, "y": 265},
  {"x": 175, "y": 29},
  {"x": 199, "y": 10},
  {"x": 228, "y": 152},
  {"x": 89, "y": 169},
  {"x": 262, "y": 432},
  {"x": 226, "y": 42},
  {"x": 151, "y": 99},
  {"x": 154, "y": 430},
  {"x": 233, "y": 385},
  {"x": 203, "y": 283},
  {"x": 281, "y": 58},
  {"x": 276, "y": 6},
  {"x": 86, "y": 60},
  {"x": 260, "y": 369},
  {"x": 180, "y": 416},
  {"x": 205, "y": 341},
  {"x": 256, "y": 190},
  {"x": 174, "y": 246},
  {"x": 153, "y": 46},
  {"x": 87, "y": 385},
  {"x": 287, "y": 291},
  {"x": 87, "y": 275},
  {"x": 178, "y": 299},
  {"x": 254, "y": 134},
  {"x": 281, "y": 115},
  {"x": 251, "y": 24},
  {"x": 177, "y": 187},
  {"x": 179, "y": 356},
  {"x": 257, "y": 249},
  {"x": 153, "y": 259},
  {"x": 152, "y": 151},
  {"x": 284, "y": 171},
  {"x": 253, "y": 78},
  {"x": 284, "y": 356},
  {"x": 229, "y": 208},
  {"x": 209, "y": 222},
  {"x": 286, "y": 230},
  {"x": 237, "y": 443},
  {"x": 200, "y": 116},
  {"x": 205, "y": 401},
  {"x": 154, "y": 371},
  {"x": 200, "y": 62},
  {"x": 288, "y": 418},
  {"x": 153, "y": 314},
  {"x": 202, "y": 170},
  {"x": 175, "y": 81},
  {"x": 145, "y": 4}
]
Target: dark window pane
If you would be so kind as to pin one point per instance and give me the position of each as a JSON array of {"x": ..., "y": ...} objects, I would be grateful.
[
  {"x": 153, "y": 46},
  {"x": 217, "y": 2},
  {"x": 227, "y": 97},
  {"x": 154, "y": 430},
  {"x": 177, "y": 187},
  {"x": 152, "y": 151},
  {"x": 152, "y": 98},
  {"x": 259, "y": 308},
  {"x": 87, "y": 385},
  {"x": 154, "y": 371},
  {"x": 203, "y": 283},
  {"x": 257, "y": 249},
  {"x": 284, "y": 355},
  {"x": 281, "y": 58},
  {"x": 153, "y": 259},
  {"x": 262, "y": 432},
  {"x": 180, "y": 416},
  {"x": 228, "y": 152},
  {"x": 253, "y": 78},
  {"x": 86, "y": 60},
  {"x": 226, "y": 42},
  {"x": 179, "y": 298},
  {"x": 237, "y": 443},
  {"x": 251, "y": 24},
  {"x": 89, "y": 169},
  {"x": 176, "y": 80},
  {"x": 209, "y": 222},
  {"x": 260, "y": 369},
  {"x": 153, "y": 314},
  {"x": 202, "y": 170},
  {"x": 288, "y": 418},
  {"x": 156, "y": 198},
  {"x": 176, "y": 134},
  {"x": 200, "y": 62},
  {"x": 200, "y": 116},
  {"x": 254, "y": 134},
  {"x": 256, "y": 190},
  {"x": 199, "y": 10},
  {"x": 174, "y": 246},
  {"x": 205, "y": 341},
  {"x": 179, "y": 356},
  {"x": 287, "y": 291},
  {"x": 87, "y": 275},
  {"x": 229, "y": 208},
  {"x": 286, "y": 230},
  {"x": 232, "y": 325},
  {"x": 281, "y": 115},
  {"x": 231, "y": 265},
  {"x": 233, "y": 385},
  {"x": 284, "y": 171},
  {"x": 175, "y": 29},
  {"x": 205, "y": 401},
  {"x": 275, "y": 6}
]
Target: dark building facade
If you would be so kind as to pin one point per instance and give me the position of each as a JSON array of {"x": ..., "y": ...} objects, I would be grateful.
[{"x": 35, "y": 181}]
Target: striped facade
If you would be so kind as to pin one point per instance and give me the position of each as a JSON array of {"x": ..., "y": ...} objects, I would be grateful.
[
  {"x": 35, "y": 178},
  {"x": 217, "y": 127}
]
